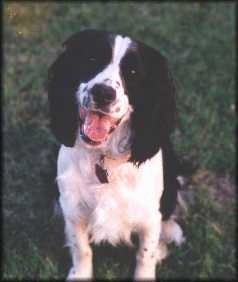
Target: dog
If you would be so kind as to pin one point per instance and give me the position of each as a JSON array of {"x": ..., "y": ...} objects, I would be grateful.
[{"x": 112, "y": 107}]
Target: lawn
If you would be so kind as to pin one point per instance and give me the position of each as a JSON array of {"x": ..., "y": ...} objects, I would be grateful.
[{"x": 199, "y": 41}]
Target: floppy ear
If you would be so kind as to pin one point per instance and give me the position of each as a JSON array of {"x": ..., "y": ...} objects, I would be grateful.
[
  {"x": 61, "y": 86},
  {"x": 64, "y": 77},
  {"x": 154, "y": 114}
]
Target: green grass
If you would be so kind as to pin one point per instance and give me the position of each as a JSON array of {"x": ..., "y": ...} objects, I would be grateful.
[{"x": 199, "y": 42}]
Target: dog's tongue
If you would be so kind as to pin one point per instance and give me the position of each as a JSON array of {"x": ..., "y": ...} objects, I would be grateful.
[{"x": 97, "y": 127}]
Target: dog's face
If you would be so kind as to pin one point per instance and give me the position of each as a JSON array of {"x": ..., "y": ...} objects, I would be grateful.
[
  {"x": 102, "y": 97},
  {"x": 102, "y": 79}
]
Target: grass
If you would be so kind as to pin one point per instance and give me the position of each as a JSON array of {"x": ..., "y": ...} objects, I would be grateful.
[{"x": 199, "y": 41}]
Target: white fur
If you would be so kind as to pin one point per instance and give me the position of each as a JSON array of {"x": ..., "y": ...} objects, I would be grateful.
[
  {"x": 171, "y": 231},
  {"x": 114, "y": 209}
]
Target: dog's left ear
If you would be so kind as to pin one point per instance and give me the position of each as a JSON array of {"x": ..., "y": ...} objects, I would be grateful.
[{"x": 154, "y": 116}]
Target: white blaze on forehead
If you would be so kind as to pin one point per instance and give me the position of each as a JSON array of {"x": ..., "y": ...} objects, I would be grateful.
[
  {"x": 121, "y": 44},
  {"x": 110, "y": 75},
  {"x": 111, "y": 72}
]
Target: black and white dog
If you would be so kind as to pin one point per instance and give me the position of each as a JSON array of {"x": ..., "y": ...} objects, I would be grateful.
[{"x": 112, "y": 107}]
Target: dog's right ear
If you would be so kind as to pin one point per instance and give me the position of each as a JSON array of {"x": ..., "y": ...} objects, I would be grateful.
[
  {"x": 64, "y": 77},
  {"x": 62, "y": 85}
]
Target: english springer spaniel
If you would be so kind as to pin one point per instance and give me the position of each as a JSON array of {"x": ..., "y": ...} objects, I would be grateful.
[{"x": 112, "y": 107}]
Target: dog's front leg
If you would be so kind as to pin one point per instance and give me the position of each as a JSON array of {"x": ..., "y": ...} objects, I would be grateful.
[
  {"x": 146, "y": 257},
  {"x": 77, "y": 239}
]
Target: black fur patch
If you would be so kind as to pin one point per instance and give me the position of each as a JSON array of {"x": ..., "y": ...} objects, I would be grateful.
[
  {"x": 101, "y": 173},
  {"x": 168, "y": 199},
  {"x": 151, "y": 92}
]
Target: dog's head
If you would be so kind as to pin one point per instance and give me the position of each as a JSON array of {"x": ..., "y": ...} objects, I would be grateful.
[{"x": 101, "y": 80}]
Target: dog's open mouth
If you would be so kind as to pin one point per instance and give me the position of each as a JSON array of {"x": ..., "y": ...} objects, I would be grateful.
[{"x": 96, "y": 127}]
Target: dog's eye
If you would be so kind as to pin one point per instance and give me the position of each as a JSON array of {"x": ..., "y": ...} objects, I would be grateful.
[
  {"x": 130, "y": 68},
  {"x": 92, "y": 59},
  {"x": 132, "y": 72}
]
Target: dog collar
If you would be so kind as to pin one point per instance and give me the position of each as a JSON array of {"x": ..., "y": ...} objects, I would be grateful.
[
  {"x": 100, "y": 168},
  {"x": 101, "y": 171}
]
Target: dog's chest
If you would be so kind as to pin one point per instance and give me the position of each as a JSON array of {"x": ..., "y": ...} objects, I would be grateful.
[
  {"x": 124, "y": 204},
  {"x": 120, "y": 205},
  {"x": 115, "y": 209}
]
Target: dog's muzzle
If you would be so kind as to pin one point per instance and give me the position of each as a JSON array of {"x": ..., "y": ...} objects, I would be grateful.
[
  {"x": 96, "y": 126},
  {"x": 97, "y": 117},
  {"x": 103, "y": 95}
]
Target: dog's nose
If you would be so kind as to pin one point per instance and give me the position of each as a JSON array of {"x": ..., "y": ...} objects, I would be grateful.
[{"x": 103, "y": 94}]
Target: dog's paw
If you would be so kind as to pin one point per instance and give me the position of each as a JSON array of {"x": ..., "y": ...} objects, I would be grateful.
[
  {"x": 75, "y": 275},
  {"x": 162, "y": 252},
  {"x": 172, "y": 232},
  {"x": 72, "y": 275}
]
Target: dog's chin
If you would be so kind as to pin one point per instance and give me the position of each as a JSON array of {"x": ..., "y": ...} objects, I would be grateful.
[
  {"x": 96, "y": 126},
  {"x": 90, "y": 142}
]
